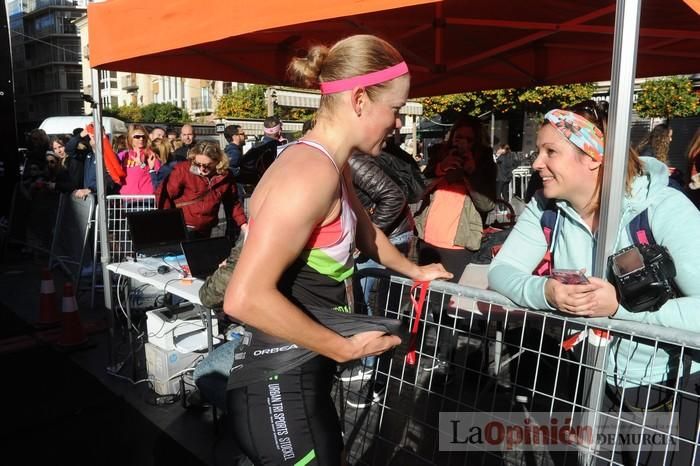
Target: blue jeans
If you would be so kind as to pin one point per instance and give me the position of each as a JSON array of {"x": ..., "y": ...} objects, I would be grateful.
[
  {"x": 211, "y": 374},
  {"x": 402, "y": 243}
]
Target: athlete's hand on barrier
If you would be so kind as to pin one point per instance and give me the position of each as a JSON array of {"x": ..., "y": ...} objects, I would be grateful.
[
  {"x": 578, "y": 300},
  {"x": 430, "y": 272},
  {"x": 372, "y": 343}
]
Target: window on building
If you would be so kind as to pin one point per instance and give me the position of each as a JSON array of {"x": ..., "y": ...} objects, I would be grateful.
[
  {"x": 173, "y": 90},
  {"x": 227, "y": 87},
  {"x": 70, "y": 51},
  {"x": 44, "y": 24},
  {"x": 74, "y": 79},
  {"x": 67, "y": 26},
  {"x": 75, "y": 107},
  {"x": 204, "y": 94}
]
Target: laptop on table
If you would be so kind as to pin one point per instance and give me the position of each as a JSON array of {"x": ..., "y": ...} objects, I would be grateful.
[
  {"x": 203, "y": 256},
  {"x": 157, "y": 232}
]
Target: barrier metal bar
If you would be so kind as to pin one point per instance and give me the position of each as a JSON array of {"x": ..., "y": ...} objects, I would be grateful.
[
  {"x": 668, "y": 335},
  {"x": 519, "y": 182},
  {"x": 100, "y": 169},
  {"x": 506, "y": 364},
  {"x": 118, "y": 206},
  {"x": 624, "y": 65},
  {"x": 117, "y": 246}
]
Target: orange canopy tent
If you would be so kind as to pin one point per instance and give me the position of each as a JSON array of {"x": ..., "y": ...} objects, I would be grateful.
[{"x": 450, "y": 45}]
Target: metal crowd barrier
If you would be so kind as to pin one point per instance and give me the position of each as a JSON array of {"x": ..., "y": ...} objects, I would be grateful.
[
  {"x": 118, "y": 206},
  {"x": 518, "y": 185},
  {"x": 510, "y": 365}
]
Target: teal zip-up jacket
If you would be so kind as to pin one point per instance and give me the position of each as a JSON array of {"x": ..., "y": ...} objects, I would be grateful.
[{"x": 675, "y": 223}]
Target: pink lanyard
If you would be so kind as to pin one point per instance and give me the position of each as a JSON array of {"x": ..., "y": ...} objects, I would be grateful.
[{"x": 417, "y": 313}]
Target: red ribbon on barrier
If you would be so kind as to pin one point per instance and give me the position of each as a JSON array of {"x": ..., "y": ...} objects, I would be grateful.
[
  {"x": 577, "y": 338},
  {"x": 417, "y": 313},
  {"x": 572, "y": 341}
]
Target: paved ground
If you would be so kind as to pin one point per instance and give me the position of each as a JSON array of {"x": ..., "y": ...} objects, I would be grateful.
[{"x": 63, "y": 408}]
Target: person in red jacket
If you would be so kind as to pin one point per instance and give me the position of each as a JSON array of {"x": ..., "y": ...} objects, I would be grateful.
[{"x": 198, "y": 186}]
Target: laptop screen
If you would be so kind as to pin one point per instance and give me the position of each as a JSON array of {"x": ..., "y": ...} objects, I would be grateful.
[
  {"x": 203, "y": 256},
  {"x": 157, "y": 232}
]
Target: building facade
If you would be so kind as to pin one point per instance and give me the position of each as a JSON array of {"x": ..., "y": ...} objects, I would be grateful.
[
  {"x": 196, "y": 96},
  {"x": 46, "y": 59}
]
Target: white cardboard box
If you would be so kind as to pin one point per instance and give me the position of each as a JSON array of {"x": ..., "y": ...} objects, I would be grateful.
[
  {"x": 185, "y": 331},
  {"x": 162, "y": 365}
]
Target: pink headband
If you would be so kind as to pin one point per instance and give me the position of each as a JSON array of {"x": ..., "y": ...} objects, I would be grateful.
[
  {"x": 274, "y": 130},
  {"x": 364, "y": 80}
]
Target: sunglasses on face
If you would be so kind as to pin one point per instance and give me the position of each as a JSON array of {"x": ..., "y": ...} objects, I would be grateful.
[
  {"x": 208, "y": 166},
  {"x": 592, "y": 108},
  {"x": 138, "y": 136}
]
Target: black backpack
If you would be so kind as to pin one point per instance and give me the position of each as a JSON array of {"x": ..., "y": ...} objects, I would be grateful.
[
  {"x": 256, "y": 161},
  {"x": 405, "y": 173}
]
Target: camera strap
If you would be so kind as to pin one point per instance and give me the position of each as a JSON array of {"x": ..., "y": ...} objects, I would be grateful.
[
  {"x": 640, "y": 230},
  {"x": 549, "y": 223},
  {"x": 641, "y": 233},
  {"x": 667, "y": 404}
]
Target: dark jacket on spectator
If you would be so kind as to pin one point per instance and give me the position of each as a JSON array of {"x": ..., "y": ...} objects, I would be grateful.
[
  {"x": 234, "y": 153},
  {"x": 75, "y": 166},
  {"x": 380, "y": 196},
  {"x": 506, "y": 163},
  {"x": 70, "y": 178},
  {"x": 82, "y": 168},
  {"x": 180, "y": 154}
]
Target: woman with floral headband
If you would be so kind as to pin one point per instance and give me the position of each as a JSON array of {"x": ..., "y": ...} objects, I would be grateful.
[
  {"x": 570, "y": 162},
  {"x": 305, "y": 221}
]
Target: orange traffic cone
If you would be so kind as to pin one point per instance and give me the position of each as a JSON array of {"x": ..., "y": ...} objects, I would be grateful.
[
  {"x": 72, "y": 332},
  {"x": 48, "y": 312}
]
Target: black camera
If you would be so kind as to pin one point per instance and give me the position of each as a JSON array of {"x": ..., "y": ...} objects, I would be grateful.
[{"x": 643, "y": 276}]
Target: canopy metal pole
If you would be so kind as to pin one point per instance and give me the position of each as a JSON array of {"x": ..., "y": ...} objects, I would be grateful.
[
  {"x": 624, "y": 65},
  {"x": 617, "y": 138},
  {"x": 101, "y": 200}
]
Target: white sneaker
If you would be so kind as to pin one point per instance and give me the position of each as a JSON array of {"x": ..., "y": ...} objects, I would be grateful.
[
  {"x": 356, "y": 373},
  {"x": 365, "y": 397},
  {"x": 435, "y": 364}
]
